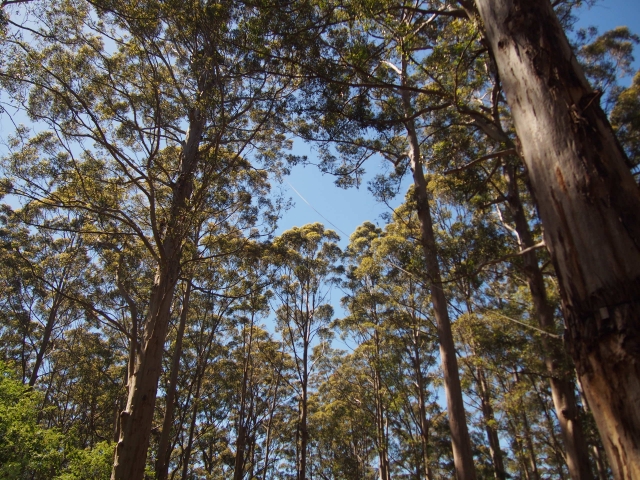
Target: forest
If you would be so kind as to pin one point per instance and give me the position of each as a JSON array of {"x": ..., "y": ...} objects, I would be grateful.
[{"x": 157, "y": 323}]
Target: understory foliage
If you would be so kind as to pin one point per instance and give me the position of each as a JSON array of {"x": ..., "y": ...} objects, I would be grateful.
[{"x": 144, "y": 137}]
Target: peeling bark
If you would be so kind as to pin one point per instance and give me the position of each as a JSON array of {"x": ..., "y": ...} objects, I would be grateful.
[
  {"x": 589, "y": 205},
  {"x": 562, "y": 388}
]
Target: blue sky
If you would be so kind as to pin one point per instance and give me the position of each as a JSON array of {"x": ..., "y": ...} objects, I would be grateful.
[{"x": 346, "y": 209}]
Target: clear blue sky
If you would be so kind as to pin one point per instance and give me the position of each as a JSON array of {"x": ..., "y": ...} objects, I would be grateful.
[{"x": 347, "y": 209}]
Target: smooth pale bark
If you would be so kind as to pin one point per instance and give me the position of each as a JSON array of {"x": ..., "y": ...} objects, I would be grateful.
[
  {"x": 562, "y": 388},
  {"x": 137, "y": 419},
  {"x": 589, "y": 205},
  {"x": 460, "y": 440},
  {"x": 164, "y": 450}
]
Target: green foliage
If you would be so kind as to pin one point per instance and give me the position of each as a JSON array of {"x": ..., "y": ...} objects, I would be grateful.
[
  {"x": 27, "y": 450},
  {"x": 91, "y": 463},
  {"x": 625, "y": 120},
  {"x": 606, "y": 58}
]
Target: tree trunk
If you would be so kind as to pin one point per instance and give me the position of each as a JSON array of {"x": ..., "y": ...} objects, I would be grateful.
[
  {"x": 304, "y": 435},
  {"x": 303, "y": 430},
  {"x": 164, "y": 450},
  {"x": 533, "y": 461},
  {"x": 381, "y": 432},
  {"x": 46, "y": 337},
  {"x": 489, "y": 422},
  {"x": 267, "y": 442},
  {"x": 137, "y": 419},
  {"x": 422, "y": 400},
  {"x": 186, "y": 457},
  {"x": 590, "y": 208},
  {"x": 562, "y": 388},
  {"x": 460, "y": 440},
  {"x": 241, "y": 440}
]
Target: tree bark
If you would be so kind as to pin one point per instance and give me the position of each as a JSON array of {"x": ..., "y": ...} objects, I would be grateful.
[
  {"x": 460, "y": 440},
  {"x": 589, "y": 205},
  {"x": 164, "y": 451},
  {"x": 137, "y": 418},
  {"x": 562, "y": 388}
]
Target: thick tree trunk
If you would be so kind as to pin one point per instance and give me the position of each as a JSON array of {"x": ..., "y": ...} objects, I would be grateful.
[
  {"x": 164, "y": 451},
  {"x": 460, "y": 440},
  {"x": 137, "y": 419},
  {"x": 562, "y": 388},
  {"x": 590, "y": 208}
]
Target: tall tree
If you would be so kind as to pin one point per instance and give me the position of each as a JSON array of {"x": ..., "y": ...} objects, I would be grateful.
[
  {"x": 589, "y": 204},
  {"x": 153, "y": 110},
  {"x": 305, "y": 260}
]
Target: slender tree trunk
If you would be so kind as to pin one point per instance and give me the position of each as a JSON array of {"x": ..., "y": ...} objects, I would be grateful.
[
  {"x": 562, "y": 388},
  {"x": 241, "y": 440},
  {"x": 589, "y": 204},
  {"x": 518, "y": 450},
  {"x": 383, "y": 454},
  {"x": 424, "y": 421},
  {"x": 186, "y": 457},
  {"x": 267, "y": 446},
  {"x": 46, "y": 337},
  {"x": 557, "y": 444},
  {"x": 460, "y": 440},
  {"x": 164, "y": 450},
  {"x": 304, "y": 405},
  {"x": 304, "y": 436},
  {"x": 489, "y": 422},
  {"x": 533, "y": 461},
  {"x": 137, "y": 418}
]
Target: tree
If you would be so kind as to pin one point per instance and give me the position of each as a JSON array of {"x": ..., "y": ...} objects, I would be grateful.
[
  {"x": 152, "y": 110},
  {"x": 589, "y": 205},
  {"x": 377, "y": 95},
  {"x": 305, "y": 261}
]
